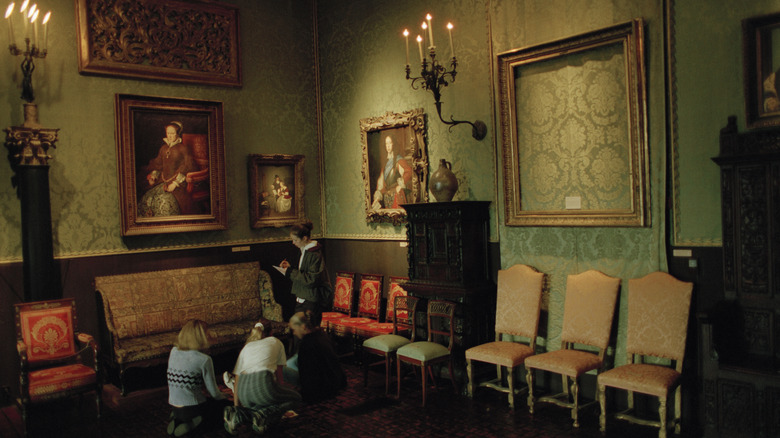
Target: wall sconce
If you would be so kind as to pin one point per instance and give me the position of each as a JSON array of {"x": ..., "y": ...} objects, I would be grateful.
[{"x": 434, "y": 75}]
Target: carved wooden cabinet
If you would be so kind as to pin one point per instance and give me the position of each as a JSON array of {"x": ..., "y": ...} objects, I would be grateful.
[
  {"x": 449, "y": 259},
  {"x": 739, "y": 354}
]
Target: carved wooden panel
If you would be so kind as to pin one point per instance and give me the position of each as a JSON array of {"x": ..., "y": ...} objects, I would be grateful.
[
  {"x": 192, "y": 41},
  {"x": 736, "y": 413}
]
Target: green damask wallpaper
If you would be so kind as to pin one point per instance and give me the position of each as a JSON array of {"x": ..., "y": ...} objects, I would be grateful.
[{"x": 274, "y": 112}]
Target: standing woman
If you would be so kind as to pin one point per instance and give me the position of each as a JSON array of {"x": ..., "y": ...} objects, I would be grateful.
[{"x": 310, "y": 282}]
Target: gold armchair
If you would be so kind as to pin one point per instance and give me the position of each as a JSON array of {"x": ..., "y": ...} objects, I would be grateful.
[
  {"x": 46, "y": 339},
  {"x": 658, "y": 306},
  {"x": 517, "y": 314},
  {"x": 587, "y": 321}
]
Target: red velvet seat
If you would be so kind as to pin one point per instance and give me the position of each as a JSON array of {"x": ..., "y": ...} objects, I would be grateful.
[
  {"x": 50, "y": 369},
  {"x": 342, "y": 299},
  {"x": 376, "y": 328},
  {"x": 368, "y": 307}
]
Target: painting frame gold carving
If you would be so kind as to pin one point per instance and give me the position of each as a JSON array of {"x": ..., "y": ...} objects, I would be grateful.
[
  {"x": 276, "y": 190},
  {"x": 170, "y": 164},
  {"x": 553, "y": 143},
  {"x": 146, "y": 39},
  {"x": 761, "y": 70},
  {"x": 408, "y": 176}
]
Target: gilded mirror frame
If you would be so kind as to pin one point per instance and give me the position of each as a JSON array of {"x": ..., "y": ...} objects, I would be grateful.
[{"x": 580, "y": 158}]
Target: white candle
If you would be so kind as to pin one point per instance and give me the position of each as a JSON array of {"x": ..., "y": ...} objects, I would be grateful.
[
  {"x": 8, "y": 13},
  {"x": 419, "y": 46},
  {"x": 424, "y": 27},
  {"x": 452, "y": 46},
  {"x": 430, "y": 30},
  {"x": 34, "y": 21},
  {"x": 46, "y": 29},
  {"x": 406, "y": 36},
  {"x": 24, "y": 16},
  {"x": 30, "y": 14}
]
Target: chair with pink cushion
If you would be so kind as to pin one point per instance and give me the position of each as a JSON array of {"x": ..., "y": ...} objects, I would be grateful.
[
  {"x": 517, "y": 314},
  {"x": 658, "y": 306},
  {"x": 588, "y": 311},
  {"x": 50, "y": 367}
]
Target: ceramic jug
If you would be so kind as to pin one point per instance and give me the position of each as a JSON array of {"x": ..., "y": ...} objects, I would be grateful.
[{"x": 443, "y": 182}]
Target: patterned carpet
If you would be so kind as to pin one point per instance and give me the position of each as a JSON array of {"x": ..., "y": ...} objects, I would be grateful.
[{"x": 358, "y": 412}]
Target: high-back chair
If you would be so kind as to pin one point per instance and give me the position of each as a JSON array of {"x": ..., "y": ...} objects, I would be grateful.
[
  {"x": 426, "y": 354},
  {"x": 342, "y": 298},
  {"x": 518, "y": 303},
  {"x": 386, "y": 345},
  {"x": 50, "y": 366},
  {"x": 376, "y": 328},
  {"x": 587, "y": 321},
  {"x": 368, "y": 307},
  {"x": 658, "y": 306}
]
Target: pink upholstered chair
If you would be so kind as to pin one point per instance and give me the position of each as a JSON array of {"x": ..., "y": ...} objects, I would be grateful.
[
  {"x": 368, "y": 307},
  {"x": 386, "y": 345},
  {"x": 517, "y": 314},
  {"x": 587, "y": 321},
  {"x": 658, "y": 306},
  {"x": 342, "y": 298},
  {"x": 46, "y": 340},
  {"x": 426, "y": 354}
]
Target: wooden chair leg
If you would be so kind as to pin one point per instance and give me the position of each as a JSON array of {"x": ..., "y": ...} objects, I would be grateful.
[
  {"x": 510, "y": 382},
  {"x": 398, "y": 377},
  {"x": 677, "y": 410},
  {"x": 424, "y": 373},
  {"x": 387, "y": 373},
  {"x": 529, "y": 379},
  {"x": 602, "y": 395},
  {"x": 662, "y": 415},
  {"x": 575, "y": 412},
  {"x": 471, "y": 387},
  {"x": 452, "y": 377}
]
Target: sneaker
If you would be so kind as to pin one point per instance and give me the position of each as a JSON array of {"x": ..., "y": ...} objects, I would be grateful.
[
  {"x": 259, "y": 422},
  {"x": 228, "y": 378},
  {"x": 231, "y": 420},
  {"x": 171, "y": 426},
  {"x": 186, "y": 427}
]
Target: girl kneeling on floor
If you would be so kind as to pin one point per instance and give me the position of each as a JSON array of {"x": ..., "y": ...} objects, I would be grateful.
[
  {"x": 258, "y": 391},
  {"x": 189, "y": 371}
]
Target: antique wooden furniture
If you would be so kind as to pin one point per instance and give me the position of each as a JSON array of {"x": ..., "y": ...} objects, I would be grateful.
[
  {"x": 50, "y": 366},
  {"x": 426, "y": 354},
  {"x": 342, "y": 298},
  {"x": 517, "y": 314},
  {"x": 142, "y": 313},
  {"x": 386, "y": 345},
  {"x": 368, "y": 309},
  {"x": 376, "y": 328},
  {"x": 449, "y": 260},
  {"x": 587, "y": 321},
  {"x": 658, "y": 306},
  {"x": 739, "y": 346}
]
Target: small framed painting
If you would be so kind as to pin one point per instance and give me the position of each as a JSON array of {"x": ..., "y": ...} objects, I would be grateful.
[{"x": 275, "y": 190}]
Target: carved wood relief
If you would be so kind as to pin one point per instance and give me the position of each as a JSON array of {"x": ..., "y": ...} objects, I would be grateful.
[{"x": 193, "y": 41}]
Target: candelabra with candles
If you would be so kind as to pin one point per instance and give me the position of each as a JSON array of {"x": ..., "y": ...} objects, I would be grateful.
[
  {"x": 28, "y": 152},
  {"x": 434, "y": 75}
]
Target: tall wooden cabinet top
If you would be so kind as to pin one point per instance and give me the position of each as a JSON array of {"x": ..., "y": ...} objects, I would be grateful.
[{"x": 448, "y": 243}]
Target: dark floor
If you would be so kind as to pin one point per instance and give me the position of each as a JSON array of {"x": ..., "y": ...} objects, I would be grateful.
[{"x": 358, "y": 412}]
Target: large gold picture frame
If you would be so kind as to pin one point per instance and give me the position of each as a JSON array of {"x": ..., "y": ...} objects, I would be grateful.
[
  {"x": 574, "y": 130},
  {"x": 275, "y": 190},
  {"x": 761, "y": 65},
  {"x": 395, "y": 164},
  {"x": 171, "y": 165},
  {"x": 184, "y": 41}
]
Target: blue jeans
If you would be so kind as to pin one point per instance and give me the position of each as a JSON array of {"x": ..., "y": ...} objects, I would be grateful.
[{"x": 290, "y": 371}]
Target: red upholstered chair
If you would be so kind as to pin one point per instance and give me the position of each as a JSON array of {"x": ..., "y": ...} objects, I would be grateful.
[
  {"x": 587, "y": 321},
  {"x": 658, "y": 306},
  {"x": 368, "y": 307},
  {"x": 517, "y": 314},
  {"x": 46, "y": 340},
  {"x": 385, "y": 345},
  {"x": 434, "y": 351},
  {"x": 376, "y": 328},
  {"x": 342, "y": 298}
]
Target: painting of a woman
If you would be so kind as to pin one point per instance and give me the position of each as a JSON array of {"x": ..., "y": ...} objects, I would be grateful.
[
  {"x": 395, "y": 180},
  {"x": 164, "y": 177}
]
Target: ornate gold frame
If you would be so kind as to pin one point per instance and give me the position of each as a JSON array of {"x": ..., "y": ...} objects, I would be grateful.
[
  {"x": 626, "y": 38},
  {"x": 762, "y": 98},
  {"x": 194, "y": 41},
  {"x": 140, "y": 128},
  {"x": 263, "y": 168},
  {"x": 409, "y": 128}
]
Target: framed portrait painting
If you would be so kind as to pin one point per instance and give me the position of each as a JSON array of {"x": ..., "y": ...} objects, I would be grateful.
[
  {"x": 761, "y": 65},
  {"x": 171, "y": 165},
  {"x": 395, "y": 164},
  {"x": 275, "y": 190},
  {"x": 574, "y": 130}
]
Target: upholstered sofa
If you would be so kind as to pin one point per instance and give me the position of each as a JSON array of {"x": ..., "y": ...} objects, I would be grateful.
[{"x": 141, "y": 314}]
